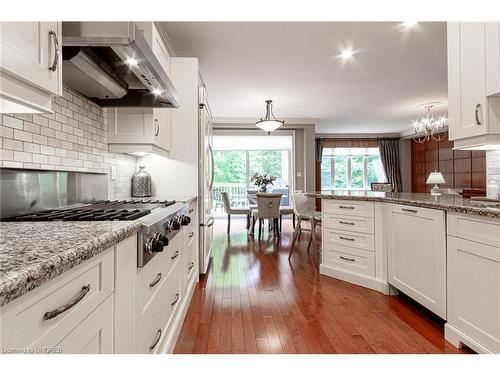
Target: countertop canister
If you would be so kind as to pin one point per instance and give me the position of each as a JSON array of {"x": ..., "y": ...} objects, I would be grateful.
[{"x": 141, "y": 183}]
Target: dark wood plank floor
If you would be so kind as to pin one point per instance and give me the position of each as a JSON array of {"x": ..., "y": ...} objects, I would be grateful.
[{"x": 253, "y": 300}]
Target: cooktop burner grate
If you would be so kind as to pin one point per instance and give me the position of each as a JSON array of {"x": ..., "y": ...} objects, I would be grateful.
[{"x": 108, "y": 210}]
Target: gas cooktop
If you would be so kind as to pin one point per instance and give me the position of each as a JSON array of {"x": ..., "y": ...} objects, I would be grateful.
[{"x": 129, "y": 209}]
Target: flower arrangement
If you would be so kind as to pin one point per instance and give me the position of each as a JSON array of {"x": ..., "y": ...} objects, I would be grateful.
[{"x": 262, "y": 180}]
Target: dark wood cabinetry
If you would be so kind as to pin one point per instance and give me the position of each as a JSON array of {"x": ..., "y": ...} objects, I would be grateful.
[{"x": 460, "y": 169}]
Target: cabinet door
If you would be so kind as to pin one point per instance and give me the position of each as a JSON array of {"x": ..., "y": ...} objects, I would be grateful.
[
  {"x": 474, "y": 291},
  {"x": 493, "y": 58},
  {"x": 130, "y": 125},
  {"x": 29, "y": 49},
  {"x": 162, "y": 123},
  {"x": 417, "y": 255},
  {"x": 94, "y": 335},
  {"x": 467, "y": 103}
]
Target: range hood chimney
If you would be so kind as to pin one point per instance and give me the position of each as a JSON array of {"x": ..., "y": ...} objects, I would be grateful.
[{"x": 96, "y": 63}]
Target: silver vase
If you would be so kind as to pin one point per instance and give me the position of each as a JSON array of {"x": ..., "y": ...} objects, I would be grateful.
[{"x": 141, "y": 183}]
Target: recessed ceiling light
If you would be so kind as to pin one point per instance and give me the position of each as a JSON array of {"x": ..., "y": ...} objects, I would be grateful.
[
  {"x": 132, "y": 62},
  {"x": 409, "y": 24},
  {"x": 346, "y": 53}
]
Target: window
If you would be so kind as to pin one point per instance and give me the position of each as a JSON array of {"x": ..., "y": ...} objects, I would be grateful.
[{"x": 351, "y": 168}]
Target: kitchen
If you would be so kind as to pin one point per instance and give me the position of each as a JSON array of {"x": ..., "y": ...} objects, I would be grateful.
[{"x": 134, "y": 181}]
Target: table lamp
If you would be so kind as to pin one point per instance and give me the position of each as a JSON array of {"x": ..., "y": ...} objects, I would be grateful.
[{"x": 435, "y": 178}]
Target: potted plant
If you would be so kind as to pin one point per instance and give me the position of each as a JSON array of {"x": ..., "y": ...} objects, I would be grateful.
[{"x": 262, "y": 181}]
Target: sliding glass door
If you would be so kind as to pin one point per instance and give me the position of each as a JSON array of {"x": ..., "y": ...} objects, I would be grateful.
[{"x": 234, "y": 167}]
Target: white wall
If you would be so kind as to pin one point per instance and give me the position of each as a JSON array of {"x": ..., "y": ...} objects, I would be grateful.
[{"x": 177, "y": 175}]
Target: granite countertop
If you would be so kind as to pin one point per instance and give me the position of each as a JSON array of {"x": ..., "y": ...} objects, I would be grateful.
[
  {"x": 32, "y": 253},
  {"x": 446, "y": 202}
]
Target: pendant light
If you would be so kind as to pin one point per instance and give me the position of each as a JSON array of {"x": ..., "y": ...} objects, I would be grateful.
[{"x": 269, "y": 123}]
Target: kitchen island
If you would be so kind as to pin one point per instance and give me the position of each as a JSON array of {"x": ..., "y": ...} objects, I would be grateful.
[{"x": 442, "y": 251}]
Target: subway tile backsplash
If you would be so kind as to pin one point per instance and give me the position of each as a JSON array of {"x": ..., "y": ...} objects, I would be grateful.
[
  {"x": 493, "y": 165},
  {"x": 74, "y": 138}
]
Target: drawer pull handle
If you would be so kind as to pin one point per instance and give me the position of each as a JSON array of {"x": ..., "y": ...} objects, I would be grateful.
[
  {"x": 348, "y": 259},
  {"x": 156, "y": 281},
  {"x": 347, "y": 207},
  {"x": 346, "y": 223},
  {"x": 157, "y": 127},
  {"x": 476, "y": 113},
  {"x": 176, "y": 254},
  {"x": 156, "y": 340},
  {"x": 191, "y": 235},
  {"x": 175, "y": 299},
  {"x": 191, "y": 265},
  {"x": 52, "y": 314},
  {"x": 346, "y": 238},
  {"x": 191, "y": 210},
  {"x": 409, "y": 210}
]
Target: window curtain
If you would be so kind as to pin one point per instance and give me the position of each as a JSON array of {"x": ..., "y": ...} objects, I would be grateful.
[
  {"x": 350, "y": 142},
  {"x": 320, "y": 144},
  {"x": 389, "y": 155}
]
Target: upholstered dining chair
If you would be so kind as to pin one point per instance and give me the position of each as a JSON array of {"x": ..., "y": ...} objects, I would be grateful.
[
  {"x": 381, "y": 186},
  {"x": 304, "y": 209},
  {"x": 268, "y": 207},
  {"x": 234, "y": 211}
]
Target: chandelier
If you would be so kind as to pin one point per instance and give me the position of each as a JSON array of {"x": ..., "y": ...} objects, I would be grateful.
[
  {"x": 270, "y": 122},
  {"x": 430, "y": 127}
]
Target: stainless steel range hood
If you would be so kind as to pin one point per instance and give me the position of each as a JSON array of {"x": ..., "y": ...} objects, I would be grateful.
[{"x": 97, "y": 62}]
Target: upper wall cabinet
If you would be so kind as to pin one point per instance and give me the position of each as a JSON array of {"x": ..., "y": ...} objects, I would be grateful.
[
  {"x": 30, "y": 66},
  {"x": 143, "y": 130},
  {"x": 139, "y": 130},
  {"x": 474, "y": 84}
]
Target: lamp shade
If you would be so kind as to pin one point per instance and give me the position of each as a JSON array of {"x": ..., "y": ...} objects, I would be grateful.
[{"x": 435, "y": 178}]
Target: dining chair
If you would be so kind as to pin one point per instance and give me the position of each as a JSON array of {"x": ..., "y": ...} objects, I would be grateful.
[
  {"x": 268, "y": 207},
  {"x": 304, "y": 209},
  {"x": 234, "y": 211}
]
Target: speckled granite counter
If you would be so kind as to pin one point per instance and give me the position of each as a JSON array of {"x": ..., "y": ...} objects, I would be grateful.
[
  {"x": 32, "y": 253},
  {"x": 446, "y": 202}
]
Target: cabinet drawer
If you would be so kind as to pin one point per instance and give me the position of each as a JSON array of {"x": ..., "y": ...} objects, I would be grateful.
[
  {"x": 23, "y": 323},
  {"x": 94, "y": 335},
  {"x": 351, "y": 239},
  {"x": 349, "y": 259},
  {"x": 153, "y": 320},
  {"x": 152, "y": 277},
  {"x": 354, "y": 224},
  {"x": 351, "y": 208},
  {"x": 475, "y": 228}
]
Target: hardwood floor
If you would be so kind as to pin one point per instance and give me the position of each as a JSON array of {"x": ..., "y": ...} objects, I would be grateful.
[{"x": 253, "y": 300}]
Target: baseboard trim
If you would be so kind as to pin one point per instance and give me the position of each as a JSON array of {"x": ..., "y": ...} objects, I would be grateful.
[
  {"x": 457, "y": 338},
  {"x": 353, "y": 278}
]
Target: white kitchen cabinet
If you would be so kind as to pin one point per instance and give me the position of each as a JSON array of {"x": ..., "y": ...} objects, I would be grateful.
[
  {"x": 155, "y": 41},
  {"x": 33, "y": 320},
  {"x": 473, "y": 80},
  {"x": 30, "y": 65},
  {"x": 473, "y": 263},
  {"x": 474, "y": 292},
  {"x": 139, "y": 130},
  {"x": 94, "y": 335},
  {"x": 416, "y": 246}
]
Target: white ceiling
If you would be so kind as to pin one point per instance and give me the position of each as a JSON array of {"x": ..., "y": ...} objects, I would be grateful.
[{"x": 296, "y": 65}]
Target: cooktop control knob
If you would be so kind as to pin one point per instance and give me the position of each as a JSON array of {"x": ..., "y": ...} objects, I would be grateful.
[
  {"x": 185, "y": 220},
  {"x": 154, "y": 246},
  {"x": 176, "y": 225},
  {"x": 163, "y": 239}
]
